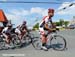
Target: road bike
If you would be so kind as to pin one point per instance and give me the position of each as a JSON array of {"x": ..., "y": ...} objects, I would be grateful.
[
  {"x": 3, "y": 41},
  {"x": 54, "y": 40}
]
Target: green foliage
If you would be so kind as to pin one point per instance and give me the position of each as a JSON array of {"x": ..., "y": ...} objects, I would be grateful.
[
  {"x": 66, "y": 23},
  {"x": 36, "y": 26},
  {"x": 57, "y": 23},
  {"x": 61, "y": 21}
]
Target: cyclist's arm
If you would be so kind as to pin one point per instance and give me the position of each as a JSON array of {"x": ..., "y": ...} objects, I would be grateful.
[
  {"x": 46, "y": 26},
  {"x": 52, "y": 23},
  {"x": 27, "y": 29}
]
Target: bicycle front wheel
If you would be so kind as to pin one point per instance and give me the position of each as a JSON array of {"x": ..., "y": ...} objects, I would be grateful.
[
  {"x": 15, "y": 39},
  {"x": 58, "y": 43}
]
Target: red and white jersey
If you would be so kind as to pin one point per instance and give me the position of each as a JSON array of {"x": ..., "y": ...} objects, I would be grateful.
[{"x": 45, "y": 20}]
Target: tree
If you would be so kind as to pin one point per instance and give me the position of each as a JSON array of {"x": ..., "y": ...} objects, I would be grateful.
[
  {"x": 73, "y": 17},
  {"x": 36, "y": 26},
  {"x": 66, "y": 23},
  {"x": 57, "y": 23},
  {"x": 61, "y": 22}
]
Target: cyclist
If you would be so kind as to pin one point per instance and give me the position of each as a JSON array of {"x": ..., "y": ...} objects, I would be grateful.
[
  {"x": 45, "y": 25},
  {"x": 7, "y": 34},
  {"x": 18, "y": 32},
  {"x": 21, "y": 30}
]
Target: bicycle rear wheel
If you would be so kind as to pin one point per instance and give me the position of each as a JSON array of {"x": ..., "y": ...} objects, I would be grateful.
[
  {"x": 37, "y": 43},
  {"x": 58, "y": 43},
  {"x": 2, "y": 43}
]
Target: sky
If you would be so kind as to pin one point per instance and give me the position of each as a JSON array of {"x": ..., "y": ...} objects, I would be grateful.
[{"x": 34, "y": 12}]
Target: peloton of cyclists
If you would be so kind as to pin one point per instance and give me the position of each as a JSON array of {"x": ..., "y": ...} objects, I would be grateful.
[
  {"x": 45, "y": 25},
  {"x": 20, "y": 31}
]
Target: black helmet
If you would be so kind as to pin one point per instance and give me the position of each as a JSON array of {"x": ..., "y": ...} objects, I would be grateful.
[{"x": 24, "y": 22}]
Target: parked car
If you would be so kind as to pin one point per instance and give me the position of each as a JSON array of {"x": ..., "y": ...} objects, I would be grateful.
[{"x": 72, "y": 26}]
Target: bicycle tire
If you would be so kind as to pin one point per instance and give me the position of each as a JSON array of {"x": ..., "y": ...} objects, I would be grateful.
[
  {"x": 14, "y": 39},
  {"x": 64, "y": 40},
  {"x": 2, "y": 43},
  {"x": 37, "y": 43}
]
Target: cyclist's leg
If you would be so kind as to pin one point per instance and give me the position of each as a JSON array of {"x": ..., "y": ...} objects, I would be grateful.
[
  {"x": 18, "y": 32},
  {"x": 6, "y": 38},
  {"x": 23, "y": 32},
  {"x": 43, "y": 38}
]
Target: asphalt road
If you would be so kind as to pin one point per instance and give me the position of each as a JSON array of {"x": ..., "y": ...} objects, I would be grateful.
[{"x": 29, "y": 51}]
